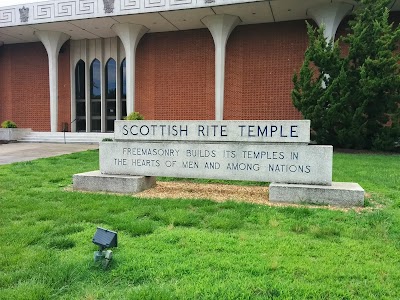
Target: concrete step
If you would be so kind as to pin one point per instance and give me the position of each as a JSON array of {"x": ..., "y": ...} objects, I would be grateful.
[{"x": 70, "y": 137}]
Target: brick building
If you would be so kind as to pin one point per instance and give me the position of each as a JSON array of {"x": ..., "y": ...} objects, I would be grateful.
[{"x": 89, "y": 62}]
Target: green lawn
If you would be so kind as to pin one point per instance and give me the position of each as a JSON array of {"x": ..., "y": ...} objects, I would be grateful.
[{"x": 195, "y": 249}]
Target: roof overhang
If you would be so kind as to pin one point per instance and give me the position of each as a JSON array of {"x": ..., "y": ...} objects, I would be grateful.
[{"x": 91, "y": 19}]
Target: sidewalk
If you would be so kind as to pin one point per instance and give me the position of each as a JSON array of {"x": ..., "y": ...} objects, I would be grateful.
[{"x": 16, "y": 152}]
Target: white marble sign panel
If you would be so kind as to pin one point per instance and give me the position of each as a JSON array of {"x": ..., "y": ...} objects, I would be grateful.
[
  {"x": 289, "y": 163},
  {"x": 296, "y": 131}
]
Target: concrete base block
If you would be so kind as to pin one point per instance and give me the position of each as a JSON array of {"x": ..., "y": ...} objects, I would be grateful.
[
  {"x": 343, "y": 194},
  {"x": 13, "y": 134},
  {"x": 97, "y": 182}
]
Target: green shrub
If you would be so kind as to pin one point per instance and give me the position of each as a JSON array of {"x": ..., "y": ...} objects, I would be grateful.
[
  {"x": 8, "y": 124},
  {"x": 349, "y": 88},
  {"x": 134, "y": 116}
]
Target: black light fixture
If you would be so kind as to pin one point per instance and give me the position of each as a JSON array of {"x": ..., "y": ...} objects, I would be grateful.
[{"x": 104, "y": 238}]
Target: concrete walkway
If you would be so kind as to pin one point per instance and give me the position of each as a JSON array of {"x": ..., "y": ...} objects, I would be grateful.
[{"x": 15, "y": 152}]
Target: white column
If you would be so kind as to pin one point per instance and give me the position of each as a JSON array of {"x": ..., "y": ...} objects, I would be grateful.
[
  {"x": 130, "y": 35},
  {"x": 52, "y": 41},
  {"x": 220, "y": 27},
  {"x": 330, "y": 15}
]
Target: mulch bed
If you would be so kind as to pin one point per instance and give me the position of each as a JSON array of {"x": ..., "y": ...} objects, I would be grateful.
[
  {"x": 224, "y": 192},
  {"x": 215, "y": 192}
]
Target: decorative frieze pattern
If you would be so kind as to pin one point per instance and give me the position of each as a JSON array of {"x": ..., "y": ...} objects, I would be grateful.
[
  {"x": 154, "y": 3},
  {"x": 7, "y": 16},
  {"x": 86, "y": 7},
  {"x": 24, "y": 14},
  {"x": 180, "y": 2},
  {"x": 130, "y": 4},
  {"x": 63, "y": 9},
  {"x": 43, "y": 11},
  {"x": 66, "y": 10},
  {"x": 108, "y": 6}
]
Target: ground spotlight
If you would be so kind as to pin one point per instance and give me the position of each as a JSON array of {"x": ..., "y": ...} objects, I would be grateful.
[{"x": 104, "y": 238}]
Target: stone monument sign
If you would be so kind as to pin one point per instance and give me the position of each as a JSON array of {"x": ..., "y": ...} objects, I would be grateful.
[
  {"x": 266, "y": 151},
  {"x": 273, "y": 151}
]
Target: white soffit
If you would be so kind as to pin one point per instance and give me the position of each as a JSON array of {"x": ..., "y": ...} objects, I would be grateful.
[
  {"x": 100, "y": 27},
  {"x": 10, "y": 39},
  {"x": 249, "y": 13},
  {"x": 24, "y": 33},
  {"x": 75, "y": 32},
  {"x": 287, "y": 10},
  {"x": 167, "y": 20},
  {"x": 187, "y": 19},
  {"x": 154, "y": 21}
]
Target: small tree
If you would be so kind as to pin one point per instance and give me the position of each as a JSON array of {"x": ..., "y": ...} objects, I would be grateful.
[
  {"x": 353, "y": 100},
  {"x": 8, "y": 124},
  {"x": 134, "y": 116}
]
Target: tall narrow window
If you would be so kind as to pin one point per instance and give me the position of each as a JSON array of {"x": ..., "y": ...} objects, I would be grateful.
[
  {"x": 111, "y": 87},
  {"x": 80, "y": 95},
  {"x": 95, "y": 95},
  {"x": 123, "y": 87}
]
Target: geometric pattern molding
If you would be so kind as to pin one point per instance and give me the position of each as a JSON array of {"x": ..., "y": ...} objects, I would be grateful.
[
  {"x": 130, "y": 4},
  {"x": 68, "y": 10},
  {"x": 7, "y": 15}
]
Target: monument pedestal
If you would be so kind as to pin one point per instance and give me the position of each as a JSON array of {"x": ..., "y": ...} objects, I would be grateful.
[
  {"x": 96, "y": 182},
  {"x": 275, "y": 151},
  {"x": 344, "y": 194}
]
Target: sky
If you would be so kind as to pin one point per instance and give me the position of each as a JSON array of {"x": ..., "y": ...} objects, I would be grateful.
[{"x": 16, "y": 2}]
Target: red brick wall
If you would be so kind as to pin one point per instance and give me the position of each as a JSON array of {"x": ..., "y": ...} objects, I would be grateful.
[
  {"x": 28, "y": 86},
  {"x": 175, "y": 75},
  {"x": 260, "y": 62},
  {"x": 64, "y": 87},
  {"x": 5, "y": 91}
]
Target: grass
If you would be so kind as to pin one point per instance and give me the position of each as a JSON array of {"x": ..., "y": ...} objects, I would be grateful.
[{"x": 195, "y": 249}]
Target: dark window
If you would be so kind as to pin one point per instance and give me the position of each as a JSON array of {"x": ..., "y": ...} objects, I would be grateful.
[
  {"x": 123, "y": 87},
  {"x": 123, "y": 108},
  {"x": 95, "y": 82},
  {"x": 95, "y": 95},
  {"x": 81, "y": 124},
  {"x": 123, "y": 79},
  {"x": 111, "y": 85},
  {"x": 96, "y": 108},
  {"x": 96, "y": 125},
  {"x": 80, "y": 84},
  {"x": 80, "y": 108},
  {"x": 111, "y": 109},
  {"x": 80, "y": 95},
  {"x": 110, "y": 125}
]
